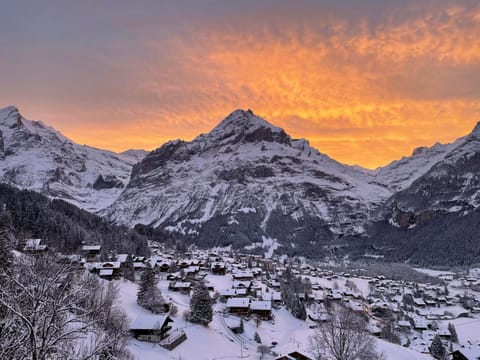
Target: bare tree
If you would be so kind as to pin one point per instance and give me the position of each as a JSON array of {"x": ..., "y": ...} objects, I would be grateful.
[
  {"x": 343, "y": 337},
  {"x": 53, "y": 311}
]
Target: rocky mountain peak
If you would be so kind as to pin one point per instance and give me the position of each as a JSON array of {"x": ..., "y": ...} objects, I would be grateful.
[
  {"x": 243, "y": 126},
  {"x": 10, "y": 116},
  {"x": 476, "y": 130}
]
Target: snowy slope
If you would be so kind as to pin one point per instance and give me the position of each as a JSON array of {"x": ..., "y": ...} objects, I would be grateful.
[
  {"x": 400, "y": 174},
  {"x": 451, "y": 184},
  {"x": 247, "y": 180},
  {"x": 37, "y": 157}
]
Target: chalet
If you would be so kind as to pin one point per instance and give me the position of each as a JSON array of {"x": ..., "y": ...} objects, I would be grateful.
[
  {"x": 191, "y": 271},
  {"x": 228, "y": 293},
  {"x": 183, "y": 287},
  {"x": 106, "y": 274},
  {"x": 404, "y": 324},
  {"x": 111, "y": 265},
  {"x": 263, "y": 309},
  {"x": 242, "y": 275},
  {"x": 273, "y": 296},
  {"x": 238, "y": 305},
  {"x": 430, "y": 302},
  {"x": 91, "y": 252},
  {"x": 419, "y": 302},
  {"x": 34, "y": 245},
  {"x": 152, "y": 328},
  {"x": 444, "y": 333},
  {"x": 218, "y": 268},
  {"x": 163, "y": 266},
  {"x": 419, "y": 324},
  {"x": 242, "y": 285},
  {"x": 184, "y": 264}
]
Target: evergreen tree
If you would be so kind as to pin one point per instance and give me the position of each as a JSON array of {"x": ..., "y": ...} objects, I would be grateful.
[
  {"x": 200, "y": 306},
  {"x": 437, "y": 349},
  {"x": 257, "y": 338},
  {"x": 149, "y": 295},
  {"x": 298, "y": 309},
  {"x": 6, "y": 240},
  {"x": 453, "y": 332},
  {"x": 128, "y": 269},
  {"x": 241, "y": 329}
]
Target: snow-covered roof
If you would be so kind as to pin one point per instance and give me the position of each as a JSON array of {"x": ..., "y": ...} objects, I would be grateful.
[
  {"x": 233, "y": 292},
  {"x": 182, "y": 285},
  {"x": 240, "y": 283},
  {"x": 91, "y": 247},
  {"x": 241, "y": 302},
  {"x": 260, "y": 305},
  {"x": 149, "y": 322},
  {"x": 111, "y": 265},
  {"x": 106, "y": 272}
]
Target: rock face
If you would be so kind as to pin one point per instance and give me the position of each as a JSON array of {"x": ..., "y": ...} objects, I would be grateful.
[
  {"x": 248, "y": 182},
  {"x": 37, "y": 157}
]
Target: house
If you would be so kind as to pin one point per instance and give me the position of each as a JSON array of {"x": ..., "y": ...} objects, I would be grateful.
[
  {"x": 273, "y": 296},
  {"x": 91, "y": 252},
  {"x": 152, "y": 328},
  {"x": 263, "y": 309},
  {"x": 242, "y": 275},
  {"x": 34, "y": 245},
  {"x": 183, "y": 287},
  {"x": 106, "y": 274},
  {"x": 163, "y": 266},
  {"x": 238, "y": 305},
  {"x": 404, "y": 324},
  {"x": 419, "y": 324},
  {"x": 242, "y": 285},
  {"x": 218, "y": 268},
  {"x": 114, "y": 266},
  {"x": 228, "y": 293},
  {"x": 419, "y": 302}
]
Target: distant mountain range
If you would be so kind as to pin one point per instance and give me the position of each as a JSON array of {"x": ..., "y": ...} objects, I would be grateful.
[{"x": 248, "y": 184}]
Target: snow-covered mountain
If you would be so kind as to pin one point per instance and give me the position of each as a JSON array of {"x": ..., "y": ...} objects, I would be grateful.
[
  {"x": 37, "y": 157},
  {"x": 400, "y": 174},
  {"x": 450, "y": 184},
  {"x": 247, "y": 181}
]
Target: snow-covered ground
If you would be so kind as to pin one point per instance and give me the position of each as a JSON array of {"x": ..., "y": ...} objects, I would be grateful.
[{"x": 216, "y": 341}]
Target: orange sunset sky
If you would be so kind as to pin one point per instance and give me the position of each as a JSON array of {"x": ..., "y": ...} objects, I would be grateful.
[{"x": 364, "y": 81}]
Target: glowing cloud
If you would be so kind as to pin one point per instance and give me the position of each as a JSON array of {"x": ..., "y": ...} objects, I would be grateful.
[{"x": 364, "y": 89}]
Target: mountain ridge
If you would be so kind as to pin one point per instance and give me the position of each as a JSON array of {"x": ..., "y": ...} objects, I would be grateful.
[{"x": 246, "y": 184}]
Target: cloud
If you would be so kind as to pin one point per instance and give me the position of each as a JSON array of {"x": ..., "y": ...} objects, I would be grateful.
[{"x": 366, "y": 82}]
